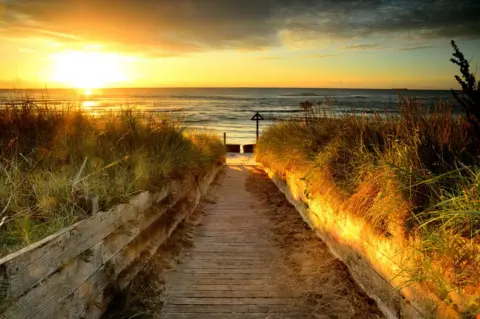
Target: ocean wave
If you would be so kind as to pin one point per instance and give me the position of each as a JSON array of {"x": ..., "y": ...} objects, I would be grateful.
[
  {"x": 215, "y": 98},
  {"x": 359, "y": 96},
  {"x": 270, "y": 111},
  {"x": 306, "y": 94}
]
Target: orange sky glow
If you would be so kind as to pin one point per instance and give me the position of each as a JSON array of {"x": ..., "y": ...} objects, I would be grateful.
[{"x": 95, "y": 44}]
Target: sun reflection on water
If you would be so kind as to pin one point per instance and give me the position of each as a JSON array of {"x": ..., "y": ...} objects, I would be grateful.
[{"x": 89, "y": 104}]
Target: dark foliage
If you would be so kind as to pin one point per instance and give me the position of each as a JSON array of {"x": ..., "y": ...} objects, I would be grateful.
[{"x": 470, "y": 99}]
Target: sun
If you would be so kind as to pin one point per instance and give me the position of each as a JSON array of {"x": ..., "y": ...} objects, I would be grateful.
[{"x": 87, "y": 70}]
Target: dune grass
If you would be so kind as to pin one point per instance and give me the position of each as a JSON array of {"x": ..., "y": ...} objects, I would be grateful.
[
  {"x": 417, "y": 172},
  {"x": 414, "y": 174},
  {"x": 58, "y": 166}
]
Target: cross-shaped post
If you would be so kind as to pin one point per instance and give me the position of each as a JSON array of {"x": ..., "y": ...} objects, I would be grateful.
[{"x": 257, "y": 117}]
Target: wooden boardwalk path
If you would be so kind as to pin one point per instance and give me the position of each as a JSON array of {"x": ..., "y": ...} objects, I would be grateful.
[{"x": 233, "y": 269}]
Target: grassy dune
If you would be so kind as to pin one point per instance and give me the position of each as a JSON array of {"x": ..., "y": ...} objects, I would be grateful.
[
  {"x": 415, "y": 174},
  {"x": 56, "y": 166}
]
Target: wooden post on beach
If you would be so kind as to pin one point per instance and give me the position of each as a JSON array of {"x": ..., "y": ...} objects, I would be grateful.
[
  {"x": 224, "y": 138},
  {"x": 257, "y": 117}
]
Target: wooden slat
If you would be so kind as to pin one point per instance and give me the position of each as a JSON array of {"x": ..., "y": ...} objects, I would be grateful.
[
  {"x": 229, "y": 246},
  {"x": 175, "y": 282},
  {"x": 230, "y": 301},
  {"x": 219, "y": 288},
  {"x": 213, "y": 277},
  {"x": 242, "y": 256},
  {"x": 220, "y": 270},
  {"x": 36, "y": 262},
  {"x": 225, "y": 264},
  {"x": 238, "y": 255},
  {"x": 227, "y": 309},
  {"x": 250, "y": 315},
  {"x": 233, "y": 292}
]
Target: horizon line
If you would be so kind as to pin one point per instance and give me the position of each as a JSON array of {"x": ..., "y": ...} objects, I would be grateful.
[{"x": 230, "y": 87}]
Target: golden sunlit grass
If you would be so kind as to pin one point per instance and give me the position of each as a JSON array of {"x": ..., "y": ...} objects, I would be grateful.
[
  {"x": 415, "y": 175},
  {"x": 56, "y": 165}
]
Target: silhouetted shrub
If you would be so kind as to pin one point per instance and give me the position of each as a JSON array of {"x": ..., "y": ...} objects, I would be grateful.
[{"x": 470, "y": 99}]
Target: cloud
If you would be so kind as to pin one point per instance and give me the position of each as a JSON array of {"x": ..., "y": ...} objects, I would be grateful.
[
  {"x": 56, "y": 34},
  {"x": 161, "y": 26},
  {"x": 349, "y": 20},
  {"x": 361, "y": 47},
  {"x": 420, "y": 47},
  {"x": 170, "y": 28}
]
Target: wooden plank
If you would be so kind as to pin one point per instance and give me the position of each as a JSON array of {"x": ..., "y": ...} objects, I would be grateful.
[
  {"x": 266, "y": 292},
  {"x": 218, "y": 255},
  {"x": 222, "y": 275},
  {"x": 218, "y": 271},
  {"x": 227, "y": 235},
  {"x": 226, "y": 309},
  {"x": 270, "y": 315},
  {"x": 198, "y": 268},
  {"x": 230, "y": 301},
  {"x": 238, "y": 223},
  {"x": 237, "y": 249},
  {"x": 226, "y": 264},
  {"x": 222, "y": 218},
  {"x": 236, "y": 255},
  {"x": 243, "y": 280},
  {"x": 228, "y": 246},
  {"x": 189, "y": 287},
  {"x": 34, "y": 263},
  {"x": 233, "y": 240},
  {"x": 243, "y": 239},
  {"x": 232, "y": 263}
]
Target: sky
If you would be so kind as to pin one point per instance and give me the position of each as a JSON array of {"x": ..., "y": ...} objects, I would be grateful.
[{"x": 227, "y": 43}]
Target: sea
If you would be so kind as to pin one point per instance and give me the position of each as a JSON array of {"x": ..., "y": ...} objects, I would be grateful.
[{"x": 229, "y": 110}]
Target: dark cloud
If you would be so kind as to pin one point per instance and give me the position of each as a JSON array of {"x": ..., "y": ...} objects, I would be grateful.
[
  {"x": 167, "y": 27},
  {"x": 423, "y": 18}
]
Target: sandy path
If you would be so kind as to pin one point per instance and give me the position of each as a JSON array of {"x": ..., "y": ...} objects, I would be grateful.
[{"x": 248, "y": 263}]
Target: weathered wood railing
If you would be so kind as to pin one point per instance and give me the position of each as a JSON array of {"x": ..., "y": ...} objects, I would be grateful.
[{"x": 74, "y": 272}]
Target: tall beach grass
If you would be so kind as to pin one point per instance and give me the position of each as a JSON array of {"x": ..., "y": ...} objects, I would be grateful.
[{"x": 59, "y": 165}]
